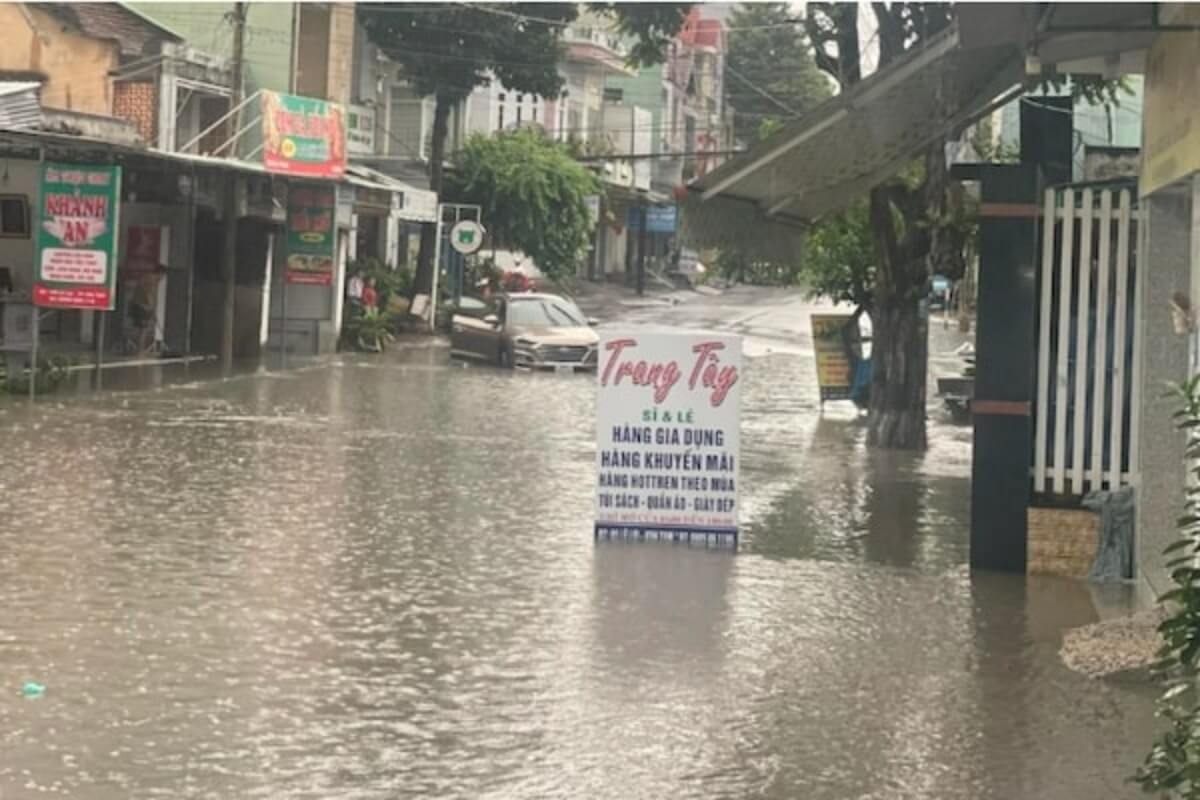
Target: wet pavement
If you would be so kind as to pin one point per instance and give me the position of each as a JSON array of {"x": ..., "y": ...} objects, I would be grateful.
[{"x": 374, "y": 577}]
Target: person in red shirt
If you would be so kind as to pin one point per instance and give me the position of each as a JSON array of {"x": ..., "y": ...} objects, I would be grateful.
[{"x": 369, "y": 297}]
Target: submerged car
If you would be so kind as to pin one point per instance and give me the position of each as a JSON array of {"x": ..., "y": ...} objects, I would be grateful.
[{"x": 535, "y": 331}]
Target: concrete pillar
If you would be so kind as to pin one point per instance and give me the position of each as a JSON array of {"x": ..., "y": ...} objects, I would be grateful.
[
  {"x": 264, "y": 322},
  {"x": 1005, "y": 366},
  {"x": 1161, "y": 469},
  {"x": 391, "y": 239}
]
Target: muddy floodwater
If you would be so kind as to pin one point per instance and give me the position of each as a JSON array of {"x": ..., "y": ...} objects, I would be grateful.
[{"x": 374, "y": 577}]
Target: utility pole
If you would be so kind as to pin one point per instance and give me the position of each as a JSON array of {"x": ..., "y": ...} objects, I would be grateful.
[
  {"x": 641, "y": 247},
  {"x": 233, "y": 195}
]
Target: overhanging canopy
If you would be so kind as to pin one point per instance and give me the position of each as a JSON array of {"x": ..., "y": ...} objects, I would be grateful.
[
  {"x": 854, "y": 141},
  {"x": 1089, "y": 38}
]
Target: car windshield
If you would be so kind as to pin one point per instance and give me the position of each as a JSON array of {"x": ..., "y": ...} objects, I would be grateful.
[{"x": 543, "y": 313}]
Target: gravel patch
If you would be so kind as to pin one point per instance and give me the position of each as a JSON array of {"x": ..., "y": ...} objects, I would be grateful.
[{"x": 1114, "y": 648}]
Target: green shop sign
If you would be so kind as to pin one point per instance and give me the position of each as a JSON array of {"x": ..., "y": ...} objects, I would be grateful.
[
  {"x": 76, "y": 258},
  {"x": 311, "y": 233}
]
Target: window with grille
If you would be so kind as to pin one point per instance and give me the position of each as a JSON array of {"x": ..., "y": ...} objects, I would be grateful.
[{"x": 14, "y": 216}]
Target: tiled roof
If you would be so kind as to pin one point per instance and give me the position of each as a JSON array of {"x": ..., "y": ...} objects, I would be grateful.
[{"x": 134, "y": 34}]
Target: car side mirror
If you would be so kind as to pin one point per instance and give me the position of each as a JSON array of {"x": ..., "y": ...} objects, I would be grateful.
[
  {"x": 592, "y": 322},
  {"x": 493, "y": 320}
]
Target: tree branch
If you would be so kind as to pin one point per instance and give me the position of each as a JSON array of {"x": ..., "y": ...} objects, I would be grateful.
[{"x": 835, "y": 24}]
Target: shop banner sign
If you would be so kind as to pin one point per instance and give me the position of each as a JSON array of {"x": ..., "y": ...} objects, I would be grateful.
[
  {"x": 302, "y": 136},
  {"x": 661, "y": 219},
  {"x": 835, "y": 375},
  {"x": 76, "y": 259},
  {"x": 667, "y": 437},
  {"x": 311, "y": 234},
  {"x": 360, "y": 131},
  {"x": 1171, "y": 119}
]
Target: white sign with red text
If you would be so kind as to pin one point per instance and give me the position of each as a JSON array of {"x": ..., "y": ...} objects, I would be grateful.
[{"x": 668, "y": 408}]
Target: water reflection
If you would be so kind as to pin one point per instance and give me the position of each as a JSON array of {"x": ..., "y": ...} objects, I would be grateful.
[
  {"x": 375, "y": 578},
  {"x": 855, "y": 504}
]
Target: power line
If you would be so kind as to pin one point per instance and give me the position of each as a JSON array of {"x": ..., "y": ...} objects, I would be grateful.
[
  {"x": 651, "y": 156},
  {"x": 513, "y": 15},
  {"x": 760, "y": 91}
]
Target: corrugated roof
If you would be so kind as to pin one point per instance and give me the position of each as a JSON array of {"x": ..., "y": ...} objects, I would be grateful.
[
  {"x": 20, "y": 105},
  {"x": 12, "y": 87},
  {"x": 133, "y": 33},
  {"x": 858, "y": 139}
]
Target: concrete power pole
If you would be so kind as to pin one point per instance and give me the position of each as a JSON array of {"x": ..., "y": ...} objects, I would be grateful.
[{"x": 233, "y": 196}]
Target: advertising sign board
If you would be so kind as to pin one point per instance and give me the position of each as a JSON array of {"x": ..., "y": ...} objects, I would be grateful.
[
  {"x": 303, "y": 136},
  {"x": 76, "y": 262},
  {"x": 311, "y": 234},
  {"x": 667, "y": 426},
  {"x": 835, "y": 375}
]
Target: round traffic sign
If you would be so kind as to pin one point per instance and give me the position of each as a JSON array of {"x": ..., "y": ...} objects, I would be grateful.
[{"x": 466, "y": 236}]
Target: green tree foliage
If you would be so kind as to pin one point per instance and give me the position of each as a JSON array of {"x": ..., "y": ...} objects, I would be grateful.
[
  {"x": 533, "y": 194},
  {"x": 446, "y": 50},
  {"x": 1172, "y": 768},
  {"x": 770, "y": 74},
  {"x": 839, "y": 259}
]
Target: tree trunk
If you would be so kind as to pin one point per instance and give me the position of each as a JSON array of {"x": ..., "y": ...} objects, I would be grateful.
[
  {"x": 904, "y": 259},
  {"x": 423, "y": 280},
  {"x": 899, "y": 337},
  {"x": 899, "y": 344}
]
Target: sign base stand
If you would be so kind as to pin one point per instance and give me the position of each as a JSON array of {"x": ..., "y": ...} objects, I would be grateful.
[{"x": 712, "y": 538}]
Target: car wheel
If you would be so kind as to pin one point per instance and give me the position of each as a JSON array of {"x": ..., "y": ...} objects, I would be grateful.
[{"x": 504, "y": 359}]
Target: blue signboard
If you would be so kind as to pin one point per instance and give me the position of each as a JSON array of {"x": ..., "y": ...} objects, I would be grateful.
[{"x": 659, "y": 219}]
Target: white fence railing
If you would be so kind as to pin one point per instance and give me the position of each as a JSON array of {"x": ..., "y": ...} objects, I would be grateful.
[{"x": 1088, "y": 368}]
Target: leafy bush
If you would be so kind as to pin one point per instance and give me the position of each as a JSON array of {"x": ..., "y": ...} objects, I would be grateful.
[
  {"x": 389, "y": 281},
  {"x": 1172, "y": 767},
  {"x": 533, "y": 195},
  {"x": 839, "y": 260},
  {"x": 369, "y": 330}
]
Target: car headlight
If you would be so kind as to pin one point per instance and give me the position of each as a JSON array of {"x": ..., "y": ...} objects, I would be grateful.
[{"x": 522, "y": 341}]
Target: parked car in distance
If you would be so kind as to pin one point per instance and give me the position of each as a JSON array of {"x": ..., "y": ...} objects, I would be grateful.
[
  {"x": 535, "y": 331},
  {"x": 939, "y": 292}
]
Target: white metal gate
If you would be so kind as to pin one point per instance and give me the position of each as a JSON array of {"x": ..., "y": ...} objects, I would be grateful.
[{"x": 1088, "y": 369}]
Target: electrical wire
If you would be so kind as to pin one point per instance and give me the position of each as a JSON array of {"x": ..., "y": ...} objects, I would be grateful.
[
  {"x": 514, "y": 15},
  {"x": 761, "y": 91}
]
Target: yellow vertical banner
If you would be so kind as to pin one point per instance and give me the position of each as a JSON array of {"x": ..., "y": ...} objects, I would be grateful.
[{"x": 1171, "y": 116}]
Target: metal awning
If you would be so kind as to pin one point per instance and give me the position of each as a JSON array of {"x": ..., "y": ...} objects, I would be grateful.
[
  {"x": 1095, "y": 38},
  {"x": 839, "y": 150},
  {"x": 416, "y": 205}
]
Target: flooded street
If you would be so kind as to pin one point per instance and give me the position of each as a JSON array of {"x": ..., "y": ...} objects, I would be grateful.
[{"x": 375, "y": 578}]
